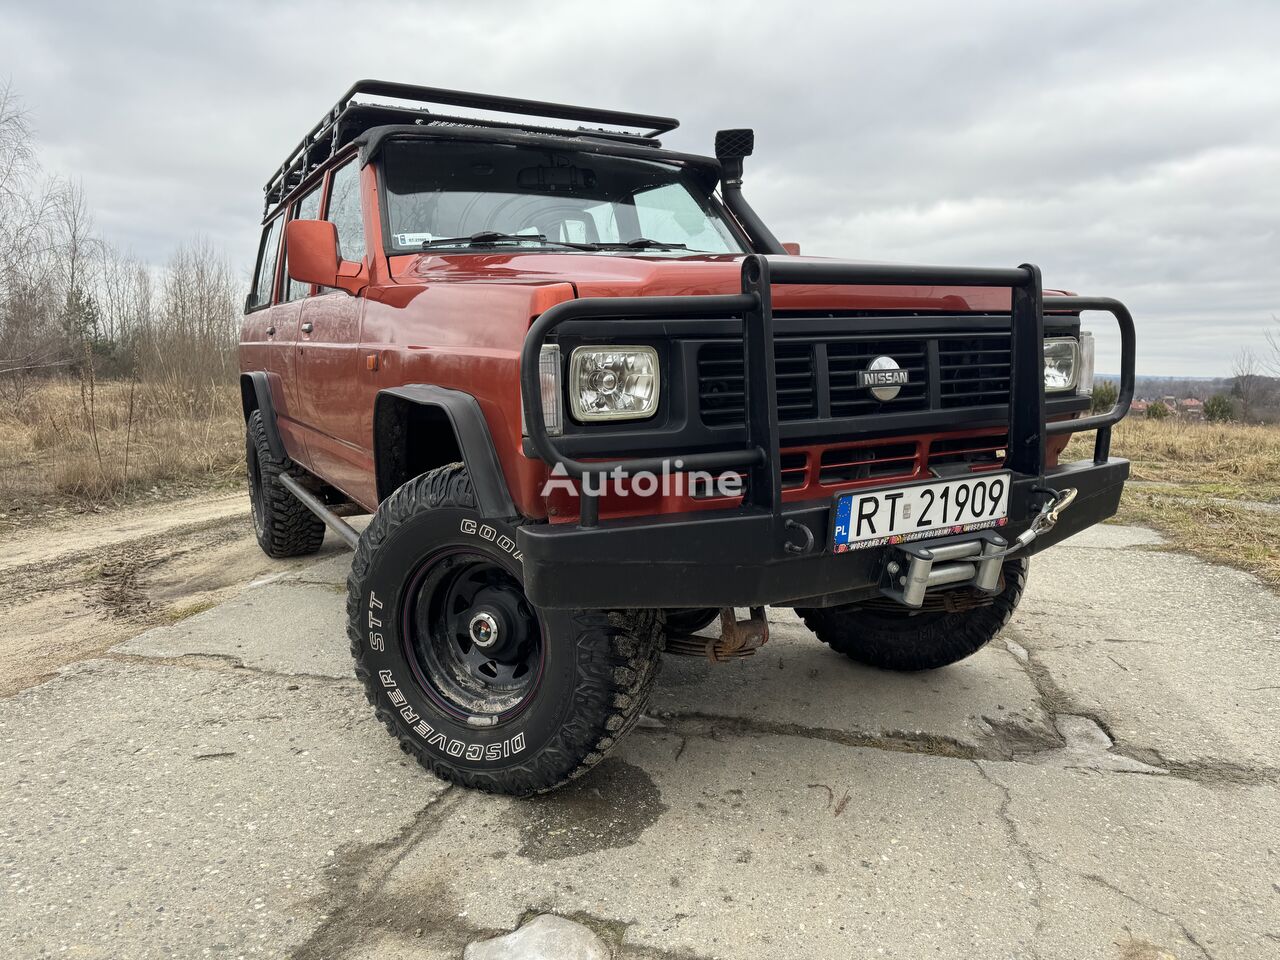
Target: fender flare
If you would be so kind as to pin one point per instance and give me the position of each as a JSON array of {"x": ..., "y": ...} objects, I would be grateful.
[
  {"x": 255, "y": 394},
  {"x": 474, "y": 441}
]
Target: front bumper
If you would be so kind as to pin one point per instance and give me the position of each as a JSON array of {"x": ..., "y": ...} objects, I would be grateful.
[{"x": 738, "y": 558}]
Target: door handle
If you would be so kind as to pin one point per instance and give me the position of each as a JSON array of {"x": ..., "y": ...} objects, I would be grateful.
[
  {"x": 307, "y": 327},
  {"x": 271, "y": 330}
]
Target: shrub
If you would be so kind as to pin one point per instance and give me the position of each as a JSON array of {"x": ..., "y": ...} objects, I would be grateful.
[
  {"x": 1104, "y": 396},
  {"x": 1219, "y": 409}
]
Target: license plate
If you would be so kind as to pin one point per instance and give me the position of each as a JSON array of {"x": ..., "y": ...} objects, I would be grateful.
[{"x": 939, "y": 508}]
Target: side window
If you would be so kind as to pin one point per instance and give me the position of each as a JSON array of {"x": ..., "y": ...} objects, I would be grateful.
[
  {"x": 308, "y": 209},
  {"x": 344, "y": 211},
  {"x": 264, "y": 276}
]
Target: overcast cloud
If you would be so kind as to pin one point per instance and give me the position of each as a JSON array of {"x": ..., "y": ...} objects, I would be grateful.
[{"x": 1129, "y": 148}]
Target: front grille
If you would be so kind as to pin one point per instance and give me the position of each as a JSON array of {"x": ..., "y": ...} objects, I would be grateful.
[
  {"x": 968, "y": 370},
  {"x": 978, "y": 453},
  {"x": 847, "y": 358},
  {"x": 794, "y": 471},
  {"x": 720, "y": 383},
  {"x": 884, "y": 461},
  {"x": 974, "y": 370}
]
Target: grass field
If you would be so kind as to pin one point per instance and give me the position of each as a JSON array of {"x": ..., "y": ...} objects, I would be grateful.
[
  {"x": 58, "y": 449},
  {"x": 1212, "y": 489}
]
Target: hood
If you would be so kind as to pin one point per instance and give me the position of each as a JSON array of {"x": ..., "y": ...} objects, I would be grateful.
[{"x": 654, "y": 275}]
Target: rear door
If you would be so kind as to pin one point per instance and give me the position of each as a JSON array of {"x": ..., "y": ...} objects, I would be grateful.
[
  {"x": 270, "y": 329},
  {"x": 328, "y": 378},
  {"x": 288, "y": 313}
]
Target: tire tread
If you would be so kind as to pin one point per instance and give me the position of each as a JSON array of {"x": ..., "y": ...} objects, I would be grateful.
[
  {"x": 289, "y": 528},
  {"x": 927, "y": 645}
]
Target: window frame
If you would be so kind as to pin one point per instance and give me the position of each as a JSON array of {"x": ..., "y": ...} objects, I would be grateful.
[
  {"x": 278, "y": 220},
  {"x": 320, "y": 190},
  {"x": 352, "y": 160}
]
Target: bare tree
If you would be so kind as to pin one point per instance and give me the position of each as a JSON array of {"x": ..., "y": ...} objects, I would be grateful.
[
  {"x": 29, "y": 336},
  {"x": 1273, "y": 347},
  {"x": 192, "y": 343},
  {"x": 1246, "y": 368}
]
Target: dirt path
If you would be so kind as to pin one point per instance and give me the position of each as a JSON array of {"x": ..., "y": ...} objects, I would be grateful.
[{"x": 75, "y": 585}]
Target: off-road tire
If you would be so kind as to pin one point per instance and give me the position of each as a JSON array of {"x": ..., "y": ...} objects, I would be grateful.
[
  {"x": 922, "y": 641},
  {"x": 284, "y": 527},
  {"x": 598, "y": 670}
]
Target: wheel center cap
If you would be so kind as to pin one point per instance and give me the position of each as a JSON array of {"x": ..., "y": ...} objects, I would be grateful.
[{"x": 483, "y": 630}]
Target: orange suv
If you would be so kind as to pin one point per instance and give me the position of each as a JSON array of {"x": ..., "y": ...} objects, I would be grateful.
[{"x": 594, "y": 407}]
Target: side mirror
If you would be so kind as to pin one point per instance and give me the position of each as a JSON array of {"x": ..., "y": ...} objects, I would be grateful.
[
  {"x": 311, "y": 247},
  {"x": 792, "y": 248}
]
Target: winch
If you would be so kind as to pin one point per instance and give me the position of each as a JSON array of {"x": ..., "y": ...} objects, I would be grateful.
[{"x": 971, "y": 559}]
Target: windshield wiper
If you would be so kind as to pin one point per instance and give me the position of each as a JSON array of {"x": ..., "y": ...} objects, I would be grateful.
[
  {"x": 642, "y": 243},
  {"x": 490, "y": 237}
]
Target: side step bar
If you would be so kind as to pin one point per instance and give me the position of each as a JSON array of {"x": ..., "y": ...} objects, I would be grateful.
[{"x": 346, "y": 531}]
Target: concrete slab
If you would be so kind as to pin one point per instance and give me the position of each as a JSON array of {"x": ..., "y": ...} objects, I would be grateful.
[
  {"x": 234, "y": 796},
  {"x": 1111, "y": 536},
  {"x": 1124, "y": 860},
  {"x": 166, "y": 811},
  {"x": 746, "y": 847},
  {"x": 333, "y": 570},
  {"x": 1177, "y": 657},
  {"x": 286, "y": 626},
  {"x": 779, "y": 847},
  {"x": 984, "y": 706}
]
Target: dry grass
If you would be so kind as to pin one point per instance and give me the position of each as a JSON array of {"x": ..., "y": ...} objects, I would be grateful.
[
  {"x": 139, "y": 437},
  {"x": 1225, "y": 460},
  {"x": 1205, "y": 486}
]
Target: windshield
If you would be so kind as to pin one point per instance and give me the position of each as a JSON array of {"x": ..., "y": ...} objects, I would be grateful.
[{"x": 444, "y": 195}]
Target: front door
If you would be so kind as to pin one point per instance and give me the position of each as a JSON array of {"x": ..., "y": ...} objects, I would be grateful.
[{"x": 328, "y": 355}]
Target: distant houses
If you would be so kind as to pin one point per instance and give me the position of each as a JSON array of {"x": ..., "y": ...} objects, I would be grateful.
[
  {"x": 1190, "y": 409},
  {"x": 1184, "y": 408}
]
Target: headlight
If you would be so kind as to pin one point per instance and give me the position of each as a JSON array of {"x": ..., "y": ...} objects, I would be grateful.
[
  {"x": 613, "y": 383},
  {"x": 1061, "y": 364}
]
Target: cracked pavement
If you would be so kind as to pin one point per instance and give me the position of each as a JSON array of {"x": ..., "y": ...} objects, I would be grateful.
[{"x": 1103, "y": 780}]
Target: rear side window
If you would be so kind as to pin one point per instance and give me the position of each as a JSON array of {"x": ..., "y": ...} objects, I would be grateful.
[
  {"x": 308, "y": 209},
  {"x": 344, "y": 211},
  {"x": 264, "y": 277}
]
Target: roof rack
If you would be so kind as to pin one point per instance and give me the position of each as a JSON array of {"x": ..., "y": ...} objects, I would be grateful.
[{"x": 349, "y": 119}]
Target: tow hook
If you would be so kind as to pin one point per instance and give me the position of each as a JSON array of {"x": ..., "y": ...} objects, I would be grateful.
[
  {"x": 738, "y": 638},
  {"x": 1048, "y": 516}
]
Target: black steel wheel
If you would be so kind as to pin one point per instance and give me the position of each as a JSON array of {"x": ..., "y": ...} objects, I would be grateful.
[
  {"x": 481, "y": 687},
  {"x": 472, "y": 640}
]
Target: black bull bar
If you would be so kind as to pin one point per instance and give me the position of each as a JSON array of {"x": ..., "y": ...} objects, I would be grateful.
[{"x": 762, "y": 509}]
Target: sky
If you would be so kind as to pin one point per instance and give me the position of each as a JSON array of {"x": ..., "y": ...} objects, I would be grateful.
[{"x": 1130, "y": 148}]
